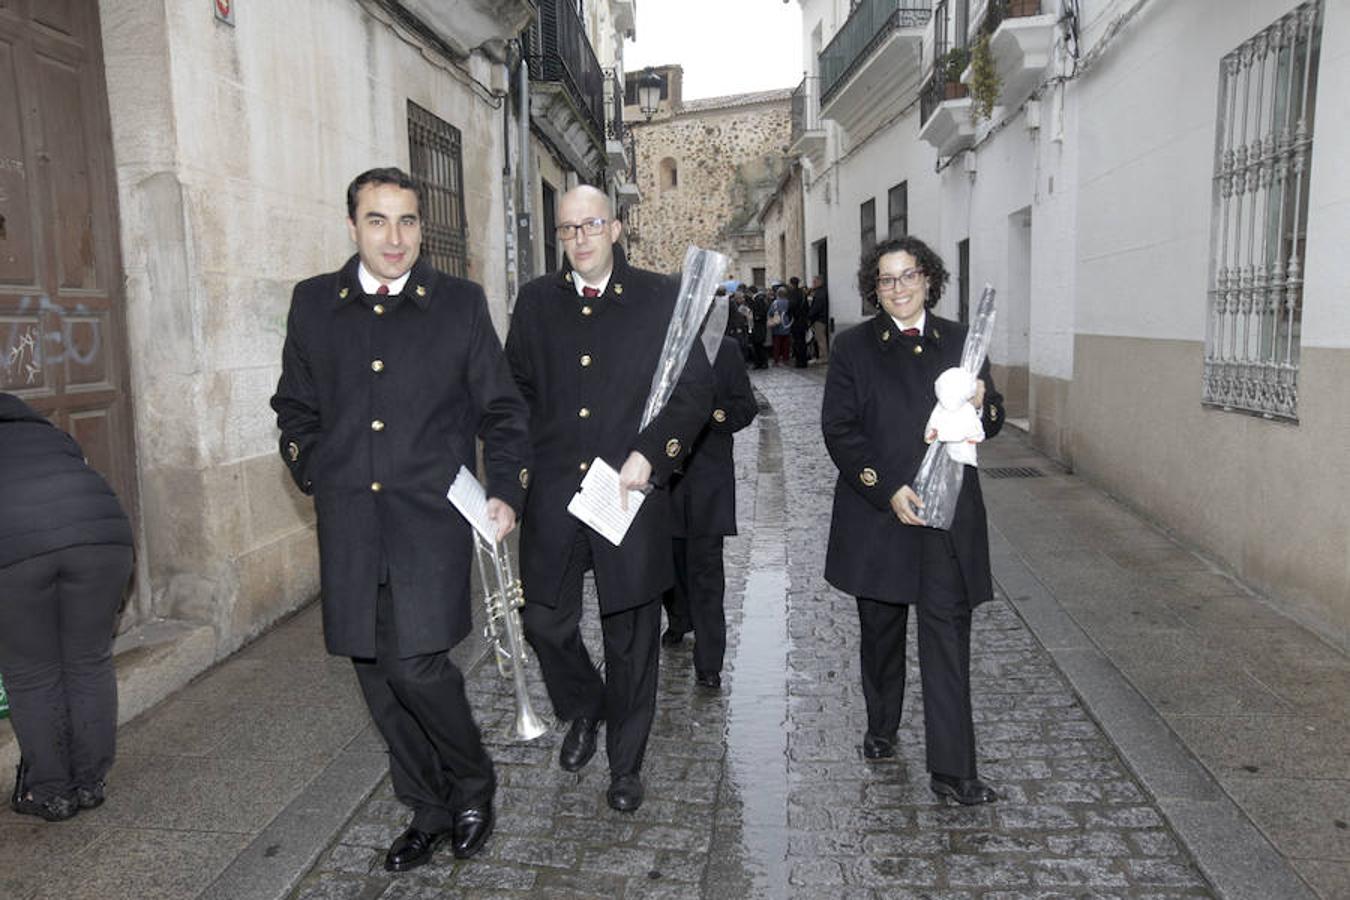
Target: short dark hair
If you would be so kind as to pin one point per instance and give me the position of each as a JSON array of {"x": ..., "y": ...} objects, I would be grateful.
[
  {"x": 928, "y": 262},
  {"x": 386, "y": 175},
  {"x": 794, "y": 281}
]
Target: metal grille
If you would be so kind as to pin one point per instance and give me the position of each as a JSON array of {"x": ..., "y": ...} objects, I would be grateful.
[
  {"x": 869, "y": 23},
  {"x": 1011, "y": 472},
  {"x": 437, "y": 164},
  {"x": 1261, "y": 175}
]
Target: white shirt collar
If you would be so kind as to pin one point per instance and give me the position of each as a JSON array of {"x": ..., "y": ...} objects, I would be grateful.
[
  {"x": 923, "y": 320},
  {"x": 371, "y": 285},
  {"x": 579, "y": 284}
]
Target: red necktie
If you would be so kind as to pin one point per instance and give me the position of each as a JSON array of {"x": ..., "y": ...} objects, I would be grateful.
[
  {"x": 382, "y": 290},
  {"x": 910, "y": 332},
  {"x": 590, "y": 293}
]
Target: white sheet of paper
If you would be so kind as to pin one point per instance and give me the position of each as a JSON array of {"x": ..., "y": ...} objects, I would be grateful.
[
  {"x": 468, "y": 496},
  {"x": 597, "y": 503}
]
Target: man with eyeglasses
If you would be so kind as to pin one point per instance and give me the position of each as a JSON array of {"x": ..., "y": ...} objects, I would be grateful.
[
  {"x": 878, "y": 397},
  {"x": 583, "y": 346}
]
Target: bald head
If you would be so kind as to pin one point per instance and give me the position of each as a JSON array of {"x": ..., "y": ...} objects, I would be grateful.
[{"x": 587, "y": 229}]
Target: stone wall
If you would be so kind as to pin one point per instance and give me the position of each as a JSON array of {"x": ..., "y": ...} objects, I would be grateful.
[
  {"x": 231, "y": 189},
  {"x": 727, "y": 156},
  {"x": 784, "y": 241}
]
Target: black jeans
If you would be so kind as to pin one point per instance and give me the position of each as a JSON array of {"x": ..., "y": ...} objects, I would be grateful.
[{"x": 58, "y": 612}]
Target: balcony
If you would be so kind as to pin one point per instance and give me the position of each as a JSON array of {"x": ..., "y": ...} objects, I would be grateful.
[
  {"x": 616, "y": 154},
  {"x": 470, "y": 25},
  {"x": 944, "y": 108},
  {"x": 808, "y": 133},
  {"x": 567, "y": 91},
  {"x": 871, "y": 68},
  {"x": 1022, "y": 34}
]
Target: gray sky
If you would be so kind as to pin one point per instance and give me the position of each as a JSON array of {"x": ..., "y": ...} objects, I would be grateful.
[{"x": 725, "y": 46}]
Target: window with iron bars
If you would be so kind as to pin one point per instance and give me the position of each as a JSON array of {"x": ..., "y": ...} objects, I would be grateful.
[
  {"x": 1262, "y": 163},
  {"x": 437, "y": 165}
]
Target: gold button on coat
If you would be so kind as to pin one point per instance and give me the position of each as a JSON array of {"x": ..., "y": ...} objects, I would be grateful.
[
  {"x": 584, "y": 412},
  {"x": 342, "y": 294},
  {"x": 672, "y": 448},
  {"x": 585, "y": 310},
  {"x": 379, "y": 309},
  {"x": 885, "y": 335},
  {"x": 868, "y": 477},
  {"x": 293, "y": 451},
  {"x": 584, "y": 466},
  {"x": 585, "y": 360},
  {"x": 375, "y": 486},
  {"x": 377, "y": 425},
  {"x": 421, "y": 291},
  {"x": 918, "y": 348},
  {"x": 377, "y": 365},
  {"x": 524, "y": 478},
  {"x": 719, "y": 415}
]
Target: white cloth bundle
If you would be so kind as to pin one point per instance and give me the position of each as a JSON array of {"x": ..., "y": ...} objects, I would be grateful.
[{"x": 954, "y": 420}]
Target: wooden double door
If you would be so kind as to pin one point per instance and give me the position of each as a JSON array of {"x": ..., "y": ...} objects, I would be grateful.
[{"x": 63, "y": 343}]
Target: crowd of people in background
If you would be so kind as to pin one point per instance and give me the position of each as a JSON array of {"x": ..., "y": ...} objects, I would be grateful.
[{"x": 783, "y": 323}]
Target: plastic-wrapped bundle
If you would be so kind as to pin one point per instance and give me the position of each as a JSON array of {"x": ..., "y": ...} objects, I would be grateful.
[
  {"x": 938, "y": 482},
  {"x": 702, "y": 271}
]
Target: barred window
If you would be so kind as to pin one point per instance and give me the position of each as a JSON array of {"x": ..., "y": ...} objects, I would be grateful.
[
  {"x": 1263, "y": 150},
  {"x": 437, "y": 165}
]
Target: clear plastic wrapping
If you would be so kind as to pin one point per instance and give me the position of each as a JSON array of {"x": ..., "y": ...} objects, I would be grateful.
[
  {"x": 938, "y": 482},
  {"x": 702, "y": 271}
]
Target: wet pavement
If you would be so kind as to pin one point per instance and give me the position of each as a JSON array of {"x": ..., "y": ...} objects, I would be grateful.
[
  {"x": 1154, "y": 729},
  {"x": 762, "y": 791}
]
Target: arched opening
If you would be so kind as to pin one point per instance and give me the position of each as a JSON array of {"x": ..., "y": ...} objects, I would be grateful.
[{"x": 669, "y": 174}]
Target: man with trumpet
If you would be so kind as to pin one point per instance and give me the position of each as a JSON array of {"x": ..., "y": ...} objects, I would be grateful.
[
  {"x": 389, "y": 371},
  {"x": 584, "y": 345}
]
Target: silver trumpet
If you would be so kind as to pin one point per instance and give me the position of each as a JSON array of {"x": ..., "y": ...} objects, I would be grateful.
[{"x": 504, "y": 597}]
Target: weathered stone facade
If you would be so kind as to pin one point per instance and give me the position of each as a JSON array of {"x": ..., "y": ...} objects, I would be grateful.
[
  {"x": 705, "y": 169},
  {"x": 783, "y": 226}
]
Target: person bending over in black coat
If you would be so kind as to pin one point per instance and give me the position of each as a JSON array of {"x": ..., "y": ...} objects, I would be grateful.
[
  {"x": 878, "y": 397},
  {"x": 65, "y": 557}
]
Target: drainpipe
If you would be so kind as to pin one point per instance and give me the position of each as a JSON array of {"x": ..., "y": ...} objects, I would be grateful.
[
  {"x": 508, "y": 183},
  {"x": 525, "y": 191}
]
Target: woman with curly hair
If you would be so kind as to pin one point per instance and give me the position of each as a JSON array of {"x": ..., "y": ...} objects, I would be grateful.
[{"x": 878, "y": 396}]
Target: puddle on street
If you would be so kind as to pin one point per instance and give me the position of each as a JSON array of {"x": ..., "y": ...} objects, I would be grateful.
[{"x": 757, "y": 729}]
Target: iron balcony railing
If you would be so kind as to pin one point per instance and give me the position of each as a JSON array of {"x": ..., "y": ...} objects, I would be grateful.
[
  {"x": 871, "y": 22},
  {"x": 614, "y": 121},
  {"x": 559, "y": 52},
  {"x": 805, "y": 108},
  {"x": 943, "y": 82}
]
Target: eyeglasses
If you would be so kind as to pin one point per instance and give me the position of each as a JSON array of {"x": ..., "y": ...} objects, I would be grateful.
[
  {"x": 908, "y": 278},
  {"x": 588, "y": 227}
]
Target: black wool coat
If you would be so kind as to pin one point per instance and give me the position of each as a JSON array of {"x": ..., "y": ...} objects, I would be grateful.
[
  {"x": 703, "y": 496},
  {"x": 379, "y": 403},
  {"x": 585, "y": 368},
  {"x": 878, "y": 397},
  {"x": 50, "y": 498}
]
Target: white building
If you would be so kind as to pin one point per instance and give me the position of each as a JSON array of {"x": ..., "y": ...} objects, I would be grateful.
[{"x": 1155, "y": 196}]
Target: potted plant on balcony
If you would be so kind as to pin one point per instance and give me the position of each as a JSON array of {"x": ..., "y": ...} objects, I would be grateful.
[
  {"x": 1020, "y": 8},
  {"x": 985, "y": 84},
  {"x": 954, "y": 62}
]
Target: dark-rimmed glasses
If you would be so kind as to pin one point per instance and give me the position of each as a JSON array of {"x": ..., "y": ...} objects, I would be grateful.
[
  {"x": 589, "y": 227},
  {"x": 907, "y": 278}
]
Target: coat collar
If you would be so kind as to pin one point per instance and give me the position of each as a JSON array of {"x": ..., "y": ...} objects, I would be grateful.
[
  {"x": 888, "y": 336},
  {"x": 618, "y": 279},
  {"x": 420, "y": 286},
  {"x": 12, "y": 409}
]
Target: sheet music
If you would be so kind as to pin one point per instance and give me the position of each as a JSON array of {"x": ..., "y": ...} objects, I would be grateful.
[
  {"x": 597, "y": 503},
  {"x": 468, "y": 496}
]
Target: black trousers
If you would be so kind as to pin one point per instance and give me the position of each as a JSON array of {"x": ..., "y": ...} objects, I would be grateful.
[
  {"x": 626, "y": 696},
  {"x": 799, "y": 349},
  {"x": 944, "y": 660},
  {"x": 436, "y": 756},
  {"x": 697, "y": 601},
  {"x": 58, "y": 612}
]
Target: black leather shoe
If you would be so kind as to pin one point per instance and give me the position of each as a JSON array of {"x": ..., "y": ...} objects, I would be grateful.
[
  {"x": 55, "y": 809},
  {"x": 710, "y": 680},
  {"x": 411, "y": 849},
  {"x": 579, "y": 745},
  {"x": 966, "y": 791},
  {"x": 90, "y": 797},
  {"x": 878, "y": 748},
  {"x": 625, "y": 793},
  {"x": 472, "y": 828},
  {"x": 672, "y": 638}
]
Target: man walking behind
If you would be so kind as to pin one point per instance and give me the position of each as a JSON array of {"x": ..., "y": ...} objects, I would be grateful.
[{"x": 390, "y": 370}]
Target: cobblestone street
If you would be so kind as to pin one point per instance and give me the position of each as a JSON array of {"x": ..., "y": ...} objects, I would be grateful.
[{"x": 762, "y": 791}]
